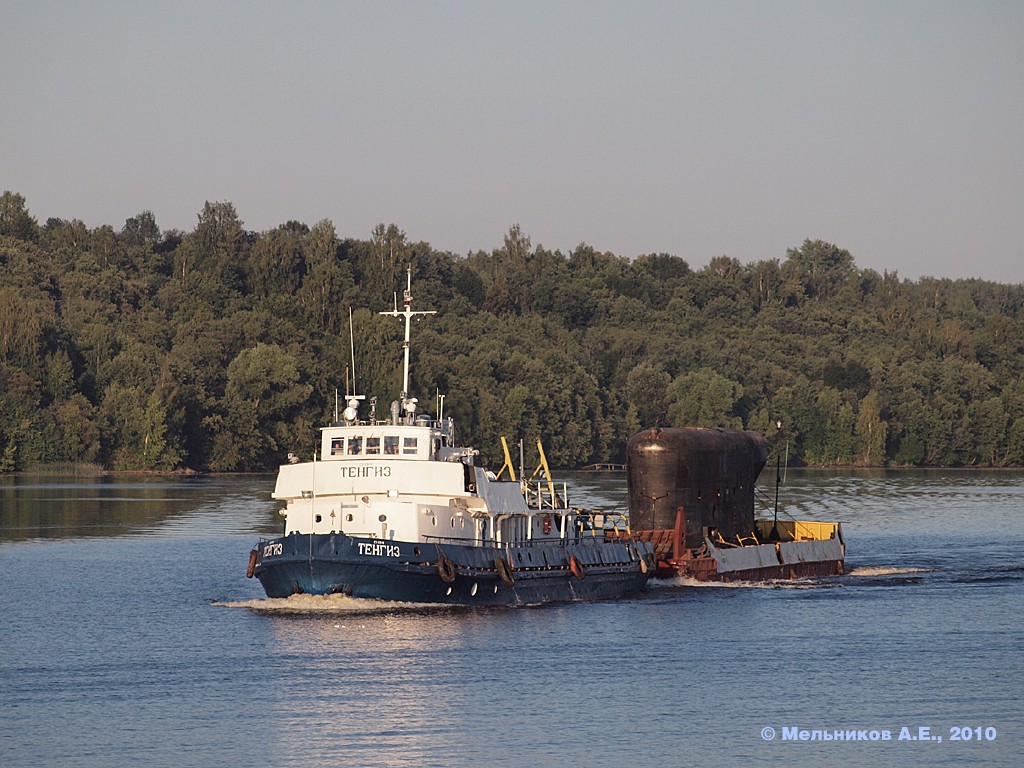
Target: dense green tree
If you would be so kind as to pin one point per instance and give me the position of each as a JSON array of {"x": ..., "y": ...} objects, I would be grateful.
[
  {"x": 263, "y": 393},
  {"x": 222, "y": 348},
  {"x": 647, "y": 394},
  {"x": 871, "y": 431},
  {"x": 142, "y": 230},
  {"x": 822, "y": 268},
  {"x": 278, "y": 260},
  {"x": 76, "y": 431},
  {"x": 15, "y": 220},
  {"x": 704, "y": 398},
  {"x": 328, "y": 288}
]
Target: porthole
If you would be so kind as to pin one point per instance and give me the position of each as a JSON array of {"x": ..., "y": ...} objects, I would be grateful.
[
  {"x": 472, "y": 590},
  {"x": 453, "y": 522},
  {"x": 519, "y": 556},
  {"x": 416, "y": 551},
  {"x": 318, "y": 518},
  {"x": 348, "y": 518},
  {"x": 433, "y": 521}
]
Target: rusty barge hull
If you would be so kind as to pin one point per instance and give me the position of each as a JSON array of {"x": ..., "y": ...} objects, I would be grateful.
[
  {"x": 705, "y": 569},
  {"x": 753, "y": 562}
]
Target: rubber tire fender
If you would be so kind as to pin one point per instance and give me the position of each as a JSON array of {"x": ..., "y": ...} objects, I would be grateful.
[
  {"x": 505, "y": 572},
  {"x": 445, "y": 569},
  {"x": 577, "y": 568},
  {"x": 252, "y": 564}
]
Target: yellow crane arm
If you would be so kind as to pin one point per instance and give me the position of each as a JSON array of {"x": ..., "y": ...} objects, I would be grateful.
[{"x": 508, "y": 461}]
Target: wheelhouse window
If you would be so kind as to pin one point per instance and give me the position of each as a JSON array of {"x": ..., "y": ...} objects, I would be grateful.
[
  {"x": 373, "y": 446},
  {"x": 391, "y": 445},
  {"x": 409, "y": 446},
  {"x": 355, "y": 446},
  {"x": 337, "y": 446}
]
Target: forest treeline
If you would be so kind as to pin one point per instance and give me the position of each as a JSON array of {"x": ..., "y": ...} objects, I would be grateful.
[{"x": 222, "y": 348}]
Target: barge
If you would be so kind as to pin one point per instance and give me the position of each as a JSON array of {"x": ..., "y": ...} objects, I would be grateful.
[{"x": 692, "y": 498}]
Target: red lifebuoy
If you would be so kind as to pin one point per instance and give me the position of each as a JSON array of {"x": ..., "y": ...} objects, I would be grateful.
[{"x": 547, "y": 524}]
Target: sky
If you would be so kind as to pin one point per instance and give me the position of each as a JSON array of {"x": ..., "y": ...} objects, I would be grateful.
[{"x": 892, "y": 129}]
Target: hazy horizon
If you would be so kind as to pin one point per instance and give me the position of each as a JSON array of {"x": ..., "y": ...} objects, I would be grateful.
[{"x": 698, "y": 129}]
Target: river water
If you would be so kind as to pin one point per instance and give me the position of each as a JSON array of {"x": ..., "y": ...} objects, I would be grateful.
[{"x": 131, "y": 637}]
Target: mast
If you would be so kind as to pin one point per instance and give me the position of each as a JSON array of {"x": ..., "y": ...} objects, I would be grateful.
[
  {"x": 407, "y": 313},
  {"x": 351, "y": 412},
  {"x": 352, "y": 350}
]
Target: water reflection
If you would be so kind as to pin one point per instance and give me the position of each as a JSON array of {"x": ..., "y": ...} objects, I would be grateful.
[
  {"x": 866, "y": 501},
  {"x": 380, "y": 684},
  {"x": 115, "y": 656},
  {"x": 907, "y": 501},
  {"x": 36, "y": 507}
]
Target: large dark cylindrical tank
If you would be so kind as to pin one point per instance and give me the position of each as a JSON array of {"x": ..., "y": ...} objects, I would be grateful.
[{"x": 708, "y": 473}]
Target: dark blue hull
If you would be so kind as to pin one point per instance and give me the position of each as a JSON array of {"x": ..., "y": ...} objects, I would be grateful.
[{"x": 449, "y": 573}]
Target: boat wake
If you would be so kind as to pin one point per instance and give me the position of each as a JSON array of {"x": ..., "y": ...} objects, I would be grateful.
[
  {"x": 883, "y": 570},
  {"x": 327, "y": 604},
  {"x": 687, "y": 581}
]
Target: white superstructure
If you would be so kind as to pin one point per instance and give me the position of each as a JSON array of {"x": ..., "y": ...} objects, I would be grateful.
[{"x": 403, "y": 479}]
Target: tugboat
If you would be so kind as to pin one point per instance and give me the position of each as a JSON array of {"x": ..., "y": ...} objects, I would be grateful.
[
  {"x": 691, "y": 496},
  {"x": 394, "y": 509}
]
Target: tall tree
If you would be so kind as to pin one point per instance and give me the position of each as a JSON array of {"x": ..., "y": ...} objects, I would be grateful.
[{"x": 15, "y": 220}]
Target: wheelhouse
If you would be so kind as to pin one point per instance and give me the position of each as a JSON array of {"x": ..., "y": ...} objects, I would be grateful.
[{"x": 380, "y": 442}]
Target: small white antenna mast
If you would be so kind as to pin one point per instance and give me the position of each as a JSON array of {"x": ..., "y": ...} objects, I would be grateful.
[
  {"x": 352, "y": 350},
  {"x": 351, "y": 412},
  {"x": 408, "y": 314}
]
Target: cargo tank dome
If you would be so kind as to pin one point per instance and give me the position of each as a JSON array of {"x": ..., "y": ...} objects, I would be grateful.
[{"x": 704, "y": 477}]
